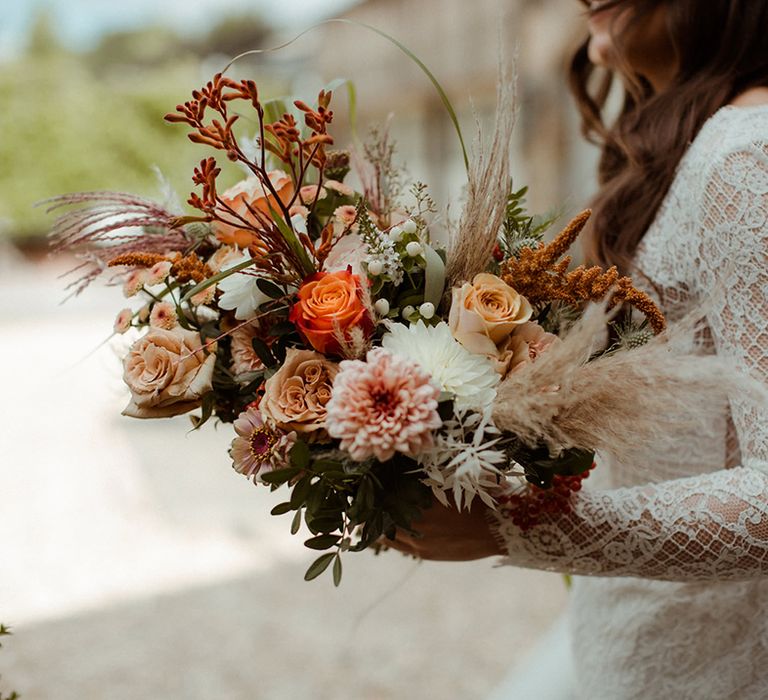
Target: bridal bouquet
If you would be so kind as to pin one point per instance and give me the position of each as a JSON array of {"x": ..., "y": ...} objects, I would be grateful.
[{"x": 364, "y": 366}]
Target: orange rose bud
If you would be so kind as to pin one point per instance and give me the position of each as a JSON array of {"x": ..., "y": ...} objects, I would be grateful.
[{"x": 330, "y": 304}]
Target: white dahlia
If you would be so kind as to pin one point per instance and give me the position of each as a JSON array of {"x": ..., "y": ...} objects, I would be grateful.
[{"x": 470, "y": 379}]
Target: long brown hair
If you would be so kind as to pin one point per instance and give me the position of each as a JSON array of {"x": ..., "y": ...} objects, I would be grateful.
[{"x": 722, "y": 51}]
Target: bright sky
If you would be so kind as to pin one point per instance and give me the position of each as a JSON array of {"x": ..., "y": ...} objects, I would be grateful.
[{"x": 81, "y": 22}]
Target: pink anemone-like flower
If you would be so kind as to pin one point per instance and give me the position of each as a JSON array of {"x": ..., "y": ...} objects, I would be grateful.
[
  {"x": 123, "y": 321},
  {"x": 163, "y": 315},
  {"x": 159, "y": 272},
  {"x": 134, "y": 281},
  {"x": 259, "y": 448},
  {"x": 385, "y": 405}
]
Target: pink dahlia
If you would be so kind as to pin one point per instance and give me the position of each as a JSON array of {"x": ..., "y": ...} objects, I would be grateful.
[
  {"x": 384, "y": 405},
  {"x": 259, "y": 449}
]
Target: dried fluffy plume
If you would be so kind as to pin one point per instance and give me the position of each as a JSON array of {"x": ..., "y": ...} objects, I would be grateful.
[
  {"x": 117, "y": 223},
  {"x": 488, "y": 186},
  {"x": 623, "y": 402}
]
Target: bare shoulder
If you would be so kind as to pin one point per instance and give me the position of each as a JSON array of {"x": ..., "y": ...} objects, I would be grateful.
[{"x": 751, "y": 98}]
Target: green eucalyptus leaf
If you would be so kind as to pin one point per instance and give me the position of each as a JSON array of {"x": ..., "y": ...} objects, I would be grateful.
[
  {"x": 279, "y": 350},
  {"x": 270, "y": 288},
  {"x": 316, "y": 497},
  {"x": 300, "y": 455},
  {"x": 434, "y": 282},
  {"x": 322, "y": 541},
  {"x": 264, "y": 353},
  {"x": 296, "y": 522},
  {"x": 337, "y": 570},
  {"x": 254, "y": 384},
  {"x": 207, "y": 405},
  {"x": 319, "y": 565},
  {"x": 325, "y": 525},
  {"x": 281, "y": 508},
  {"x": 326, "y": 465},
  {"x": 301, "y": 491}
]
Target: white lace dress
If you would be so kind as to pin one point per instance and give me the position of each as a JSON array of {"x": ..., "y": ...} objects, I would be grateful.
[{"x": 670, "y": 601}]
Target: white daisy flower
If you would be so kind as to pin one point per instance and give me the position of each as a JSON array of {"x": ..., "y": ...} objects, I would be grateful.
[{"x": 469, "y": 378}]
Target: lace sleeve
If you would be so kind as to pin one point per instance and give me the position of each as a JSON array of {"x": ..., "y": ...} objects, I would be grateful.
[{"x": 706, "y": 527}]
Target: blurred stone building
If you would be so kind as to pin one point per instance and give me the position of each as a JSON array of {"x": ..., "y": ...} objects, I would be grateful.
[{"x": 460, "y": 41}]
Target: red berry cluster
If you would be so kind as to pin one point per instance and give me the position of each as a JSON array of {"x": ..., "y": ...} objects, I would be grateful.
[{"x": 526, "y": 508}]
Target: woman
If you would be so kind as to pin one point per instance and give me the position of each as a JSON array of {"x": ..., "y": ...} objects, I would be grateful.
[{"x": 671, "y": 558}]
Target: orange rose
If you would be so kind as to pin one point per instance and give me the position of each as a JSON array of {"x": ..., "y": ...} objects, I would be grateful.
[
  {"x": 252, "y": 192},
  {"x": 330, "y": 305}
]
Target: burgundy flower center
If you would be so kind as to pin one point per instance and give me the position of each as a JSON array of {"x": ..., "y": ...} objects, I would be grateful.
[
  {"x": 383, "y": 400},
  {"x": 261, "y": 442}
]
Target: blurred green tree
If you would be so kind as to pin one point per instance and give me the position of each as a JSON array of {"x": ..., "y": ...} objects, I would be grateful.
[{"x": 94, "y": 120}]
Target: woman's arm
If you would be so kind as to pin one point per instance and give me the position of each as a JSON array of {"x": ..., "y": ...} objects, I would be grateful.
[{"x": 713, "y": 526}]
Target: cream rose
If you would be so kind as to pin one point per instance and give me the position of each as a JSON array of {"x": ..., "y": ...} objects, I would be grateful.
[
  {"x": 485, "y": 313},
  {"x": 167, "y": 373},
  {"x": 295, "y": 397}
]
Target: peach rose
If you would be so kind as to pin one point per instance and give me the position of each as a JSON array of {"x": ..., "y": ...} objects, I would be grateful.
[
  {"x": 523, "y": 346},
  {"x": 485, "y": 313},
  {"x": 295, "y": 397},
  {"x": 167, "y": 372},
  {"x": 330, "y": 304},
  {"x": 252, "y": 192}
]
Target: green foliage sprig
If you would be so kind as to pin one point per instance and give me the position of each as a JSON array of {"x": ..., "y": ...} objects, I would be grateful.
[
  {"x": 520, "y": 230},
  {"x": 346, "y": 505}
]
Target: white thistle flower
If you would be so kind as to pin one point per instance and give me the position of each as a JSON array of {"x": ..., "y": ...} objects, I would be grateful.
[
  {"x": 463, "y": 460},
  {"x": 470, "y": 379}
]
